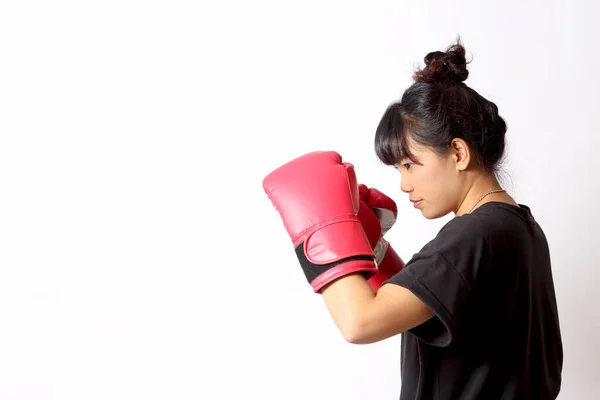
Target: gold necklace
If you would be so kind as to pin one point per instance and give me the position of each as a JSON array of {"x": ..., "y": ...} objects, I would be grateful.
[{"x": 481, "y": 198}]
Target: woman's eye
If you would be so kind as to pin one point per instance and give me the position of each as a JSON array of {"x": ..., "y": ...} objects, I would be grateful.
[{"x": 406, "y": 166}]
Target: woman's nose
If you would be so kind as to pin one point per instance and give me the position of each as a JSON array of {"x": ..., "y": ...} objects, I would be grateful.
[{"x": 405, "y": 186}]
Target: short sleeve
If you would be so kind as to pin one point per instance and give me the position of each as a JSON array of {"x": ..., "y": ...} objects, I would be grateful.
[{"x": 443, "y": 275}]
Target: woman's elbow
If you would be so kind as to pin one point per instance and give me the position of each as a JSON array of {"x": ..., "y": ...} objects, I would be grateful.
[
  {"x": 350, "y": 331},
  {"x": 358, "y": 334},
  {"x": 368, "y": 332},
  {"x": 357, "y": 340},
  {"x": 351, "y": 336}
]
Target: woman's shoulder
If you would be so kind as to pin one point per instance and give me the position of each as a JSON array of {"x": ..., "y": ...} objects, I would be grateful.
[
  {"x": 489, "y": 220},
  {"x": 492, "y": 211}
]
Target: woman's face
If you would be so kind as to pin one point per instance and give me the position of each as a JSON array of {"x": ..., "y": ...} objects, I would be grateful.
[{"x": 432, "y": 181}]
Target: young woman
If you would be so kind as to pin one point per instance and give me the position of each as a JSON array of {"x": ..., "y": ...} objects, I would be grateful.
[{"x": 476, "y": 305}]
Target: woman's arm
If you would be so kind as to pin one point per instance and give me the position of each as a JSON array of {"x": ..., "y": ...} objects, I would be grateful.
[{"x": 363, "y": 316}]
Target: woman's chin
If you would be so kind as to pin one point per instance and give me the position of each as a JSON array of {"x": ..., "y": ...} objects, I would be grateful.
[{"x": 433, "y": 214}]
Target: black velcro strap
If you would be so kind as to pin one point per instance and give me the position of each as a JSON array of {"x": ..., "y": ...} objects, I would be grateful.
[{"x": 312, "y": 271}]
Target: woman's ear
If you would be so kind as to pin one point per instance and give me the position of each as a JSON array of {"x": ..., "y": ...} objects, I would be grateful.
[{"x": 460, "y": 153}]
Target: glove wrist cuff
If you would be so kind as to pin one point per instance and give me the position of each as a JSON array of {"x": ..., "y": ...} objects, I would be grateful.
[{"x": 318, "y": 275}]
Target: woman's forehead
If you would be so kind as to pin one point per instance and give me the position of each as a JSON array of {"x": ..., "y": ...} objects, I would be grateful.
[{"x": 415, "y": 149}]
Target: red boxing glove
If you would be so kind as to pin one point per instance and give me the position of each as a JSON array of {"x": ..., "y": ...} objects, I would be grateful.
[
  {"x": 317, "y": 198},
  {"x": 378, "y": 214}
]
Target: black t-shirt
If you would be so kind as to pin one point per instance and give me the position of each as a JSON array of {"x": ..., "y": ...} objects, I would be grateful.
[{"x": 495, "y": 334}]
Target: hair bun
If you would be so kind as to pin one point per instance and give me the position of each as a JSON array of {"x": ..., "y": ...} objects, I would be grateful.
[{"x": 444, "y": 66}]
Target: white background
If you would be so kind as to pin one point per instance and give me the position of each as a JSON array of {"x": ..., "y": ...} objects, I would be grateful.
[{"x": 140, "y": 257}]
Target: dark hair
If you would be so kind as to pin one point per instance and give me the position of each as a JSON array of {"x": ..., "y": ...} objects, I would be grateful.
[{"x": 439, "y": 107}]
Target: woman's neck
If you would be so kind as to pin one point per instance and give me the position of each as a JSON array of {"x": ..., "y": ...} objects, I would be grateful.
[{"x": 479, "y": 194}]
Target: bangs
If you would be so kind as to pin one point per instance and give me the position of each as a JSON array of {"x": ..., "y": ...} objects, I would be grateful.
[{"x": 391, "y": 144}]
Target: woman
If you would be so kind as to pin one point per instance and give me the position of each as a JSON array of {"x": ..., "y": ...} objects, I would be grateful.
[{"x": 476, "y": 305}]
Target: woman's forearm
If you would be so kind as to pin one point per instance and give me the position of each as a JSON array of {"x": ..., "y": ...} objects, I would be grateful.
[{"x": 347, "y": 299}]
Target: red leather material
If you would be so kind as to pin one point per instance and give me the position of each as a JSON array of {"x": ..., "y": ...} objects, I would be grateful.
[
  {"x": 317, "y": 198},
  {"x": 335, "y": 240},
  {"x": 370, "y": 223},
  {"x": 384, "y": 207},
  {"x": 377, "y": 199},
  {"x": 376, "y": 210},
  {"x": 390, "y": 266}
]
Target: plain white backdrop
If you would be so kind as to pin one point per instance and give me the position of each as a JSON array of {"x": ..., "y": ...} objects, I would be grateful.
[{"x": 140, "y": 257}]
